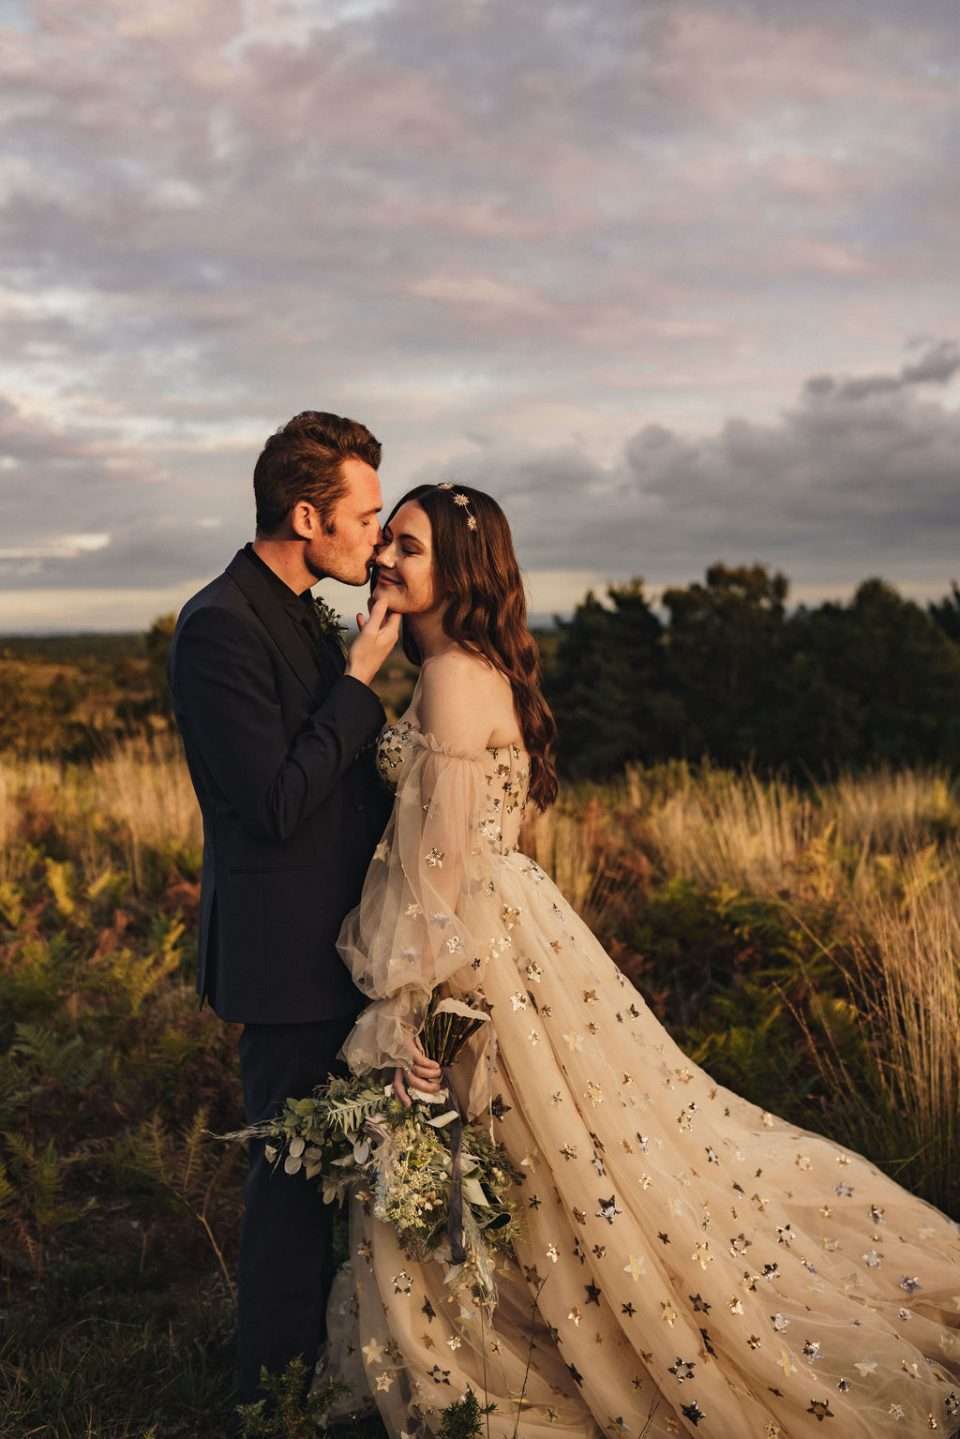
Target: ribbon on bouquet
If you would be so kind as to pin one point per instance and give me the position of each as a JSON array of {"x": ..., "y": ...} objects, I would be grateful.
[{"x": 458, "y": 1251}]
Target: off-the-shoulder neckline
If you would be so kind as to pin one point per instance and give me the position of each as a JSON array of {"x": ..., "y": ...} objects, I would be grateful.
[
  {"x": 440, "y": 748},
  {"x": 429, "y": 741}
]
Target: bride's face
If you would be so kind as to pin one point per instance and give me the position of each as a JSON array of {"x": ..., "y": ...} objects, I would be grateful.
[{"x": 404, "y": 562}]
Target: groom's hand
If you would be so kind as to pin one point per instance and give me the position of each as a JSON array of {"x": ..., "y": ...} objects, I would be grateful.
[
  {"x": 424, "y": 1074},
  {"x": 376, "y": 639}
]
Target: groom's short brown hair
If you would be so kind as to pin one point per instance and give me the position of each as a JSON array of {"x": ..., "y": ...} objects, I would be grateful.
[{"x": 301, "y": 461}]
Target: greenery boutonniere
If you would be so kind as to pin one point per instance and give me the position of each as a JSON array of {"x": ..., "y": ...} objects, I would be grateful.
[{"x": 329, "y": 622}]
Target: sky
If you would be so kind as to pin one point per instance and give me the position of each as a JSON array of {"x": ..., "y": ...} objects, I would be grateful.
[{"x": 676, "y": 282}]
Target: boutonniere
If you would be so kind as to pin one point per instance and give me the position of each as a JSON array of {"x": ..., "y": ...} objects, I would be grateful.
[{"x": 329, "y": 622}]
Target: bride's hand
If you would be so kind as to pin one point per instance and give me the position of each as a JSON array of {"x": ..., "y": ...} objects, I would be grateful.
[{"x": 424, "y": 1074}]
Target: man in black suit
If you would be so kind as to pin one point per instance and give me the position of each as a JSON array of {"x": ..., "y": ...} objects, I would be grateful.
[{"x": 278, "y": 726}]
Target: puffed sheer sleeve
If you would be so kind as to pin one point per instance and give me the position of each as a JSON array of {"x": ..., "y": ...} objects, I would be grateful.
[{"x": 427, "y": 907}]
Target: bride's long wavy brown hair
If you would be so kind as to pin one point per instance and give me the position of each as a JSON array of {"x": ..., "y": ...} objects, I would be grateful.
[{"x": 476, "y": 573}]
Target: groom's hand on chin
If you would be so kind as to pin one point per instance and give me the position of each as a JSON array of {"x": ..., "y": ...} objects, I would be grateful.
[{"x": 378, "y": 635}]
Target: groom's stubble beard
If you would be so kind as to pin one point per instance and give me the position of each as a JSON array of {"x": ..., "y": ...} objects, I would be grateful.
[{"x": 348, "y": 569}]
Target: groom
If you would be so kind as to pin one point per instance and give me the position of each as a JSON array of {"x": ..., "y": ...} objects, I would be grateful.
[{"x": 277, "y": 726}]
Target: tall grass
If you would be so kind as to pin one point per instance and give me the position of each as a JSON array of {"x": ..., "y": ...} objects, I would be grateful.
[
  {"x": 804, "y": 945},
  {"x": 137, "y": 800}
]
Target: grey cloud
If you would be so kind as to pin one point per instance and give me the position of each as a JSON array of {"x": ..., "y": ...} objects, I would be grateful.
[
  {"x": 529, "y": 235},
  {"x": 938, "y": 366},
  {"x": 848, "y": 479}
]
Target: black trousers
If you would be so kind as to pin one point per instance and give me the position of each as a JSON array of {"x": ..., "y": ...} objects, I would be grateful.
[{"x": 286, "y": 1258}]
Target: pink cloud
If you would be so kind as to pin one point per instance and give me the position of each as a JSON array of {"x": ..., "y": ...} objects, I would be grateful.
[
  {"x": 828, "y": 258},
  {"x": 724, "y": 63}
]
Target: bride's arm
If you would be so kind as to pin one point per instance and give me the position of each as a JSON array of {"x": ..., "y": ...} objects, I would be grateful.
[{"x": 427, "y": 908}]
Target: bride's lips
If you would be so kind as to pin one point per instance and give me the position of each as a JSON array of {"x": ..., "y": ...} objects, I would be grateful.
[{"x": 382, "y": 580}]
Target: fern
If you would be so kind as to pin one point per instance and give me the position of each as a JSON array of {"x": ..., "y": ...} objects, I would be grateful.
[
  {"x": 38, "y": 1176},
  {"x": 349, "y": 1114},
  {"x": 15, "y": 1089},
  {"x": 138, "y": 976},
  {"x": 109, "y": 884},
  {"x": 11, "y": 903},
  {"x": 7, "y": 1191},
  {"x": 68, "y": 1063},
  {"x": 60, "y": 882},
  {"x": 192, "y": 1147}
]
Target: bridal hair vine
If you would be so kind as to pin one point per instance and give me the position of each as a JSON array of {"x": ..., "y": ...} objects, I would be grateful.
[{"x": 459, "y": 498}]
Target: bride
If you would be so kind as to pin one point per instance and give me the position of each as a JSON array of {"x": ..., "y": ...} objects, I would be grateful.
[{"x": 689, "y": 1263}]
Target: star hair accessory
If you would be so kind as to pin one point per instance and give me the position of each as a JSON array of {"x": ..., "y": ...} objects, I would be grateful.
[{"x": 459, "y": 498}]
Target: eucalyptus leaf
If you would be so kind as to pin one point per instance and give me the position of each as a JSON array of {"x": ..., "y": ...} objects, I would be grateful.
[{"x": 473, "y": 1190}]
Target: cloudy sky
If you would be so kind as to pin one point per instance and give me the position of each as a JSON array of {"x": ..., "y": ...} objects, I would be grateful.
[{"x": 677, "y": 282}]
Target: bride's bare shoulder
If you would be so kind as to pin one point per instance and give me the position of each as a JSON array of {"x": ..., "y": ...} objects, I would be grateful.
[
  {"x": 461, "y": 697},
  {"x": 459, "y": 666}
]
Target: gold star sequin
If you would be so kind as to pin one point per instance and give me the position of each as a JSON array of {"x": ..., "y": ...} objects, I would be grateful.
[
  {"x": 636, "y": 1268},
  {"x": 702, "y": 1254},
  {"x": 785, "y": 1362}
]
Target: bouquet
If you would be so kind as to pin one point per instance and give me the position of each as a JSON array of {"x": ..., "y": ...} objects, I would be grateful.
[{"x": 443, "y": 1184}]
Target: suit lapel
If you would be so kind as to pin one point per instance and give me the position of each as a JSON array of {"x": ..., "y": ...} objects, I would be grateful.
[{"x": 287, "y": 633}]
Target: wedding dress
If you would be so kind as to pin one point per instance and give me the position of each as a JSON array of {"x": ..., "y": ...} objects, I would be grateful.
[{"x": 690, "y": 1263}]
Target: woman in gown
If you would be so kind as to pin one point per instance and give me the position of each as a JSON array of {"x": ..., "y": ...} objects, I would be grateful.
[{"x": 689, "y": 1263}]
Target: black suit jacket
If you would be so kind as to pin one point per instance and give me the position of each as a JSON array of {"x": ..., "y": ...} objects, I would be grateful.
[{"x": 278, "y": 741}]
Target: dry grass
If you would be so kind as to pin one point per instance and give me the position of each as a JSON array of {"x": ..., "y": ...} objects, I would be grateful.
[
  {"x": 140, "y": 798},
  {"x": 868, "y": 865}
]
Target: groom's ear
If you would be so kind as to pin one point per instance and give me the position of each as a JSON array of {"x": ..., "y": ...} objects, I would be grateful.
[{"x": 305, "y": 521}]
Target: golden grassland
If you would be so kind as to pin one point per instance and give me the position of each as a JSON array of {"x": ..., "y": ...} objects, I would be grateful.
[{"x": 802, "y": 945}]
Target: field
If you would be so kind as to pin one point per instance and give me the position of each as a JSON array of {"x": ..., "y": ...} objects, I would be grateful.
[{"x": 802, "y": 945}]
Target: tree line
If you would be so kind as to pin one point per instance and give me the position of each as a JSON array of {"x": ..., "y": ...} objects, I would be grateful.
[
  {"x": 723, "y": 670},
  {"x": 720, "y": 669}
]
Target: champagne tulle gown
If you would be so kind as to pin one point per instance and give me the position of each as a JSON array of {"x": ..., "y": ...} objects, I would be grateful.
[{"x": 691, "y": 1264}]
